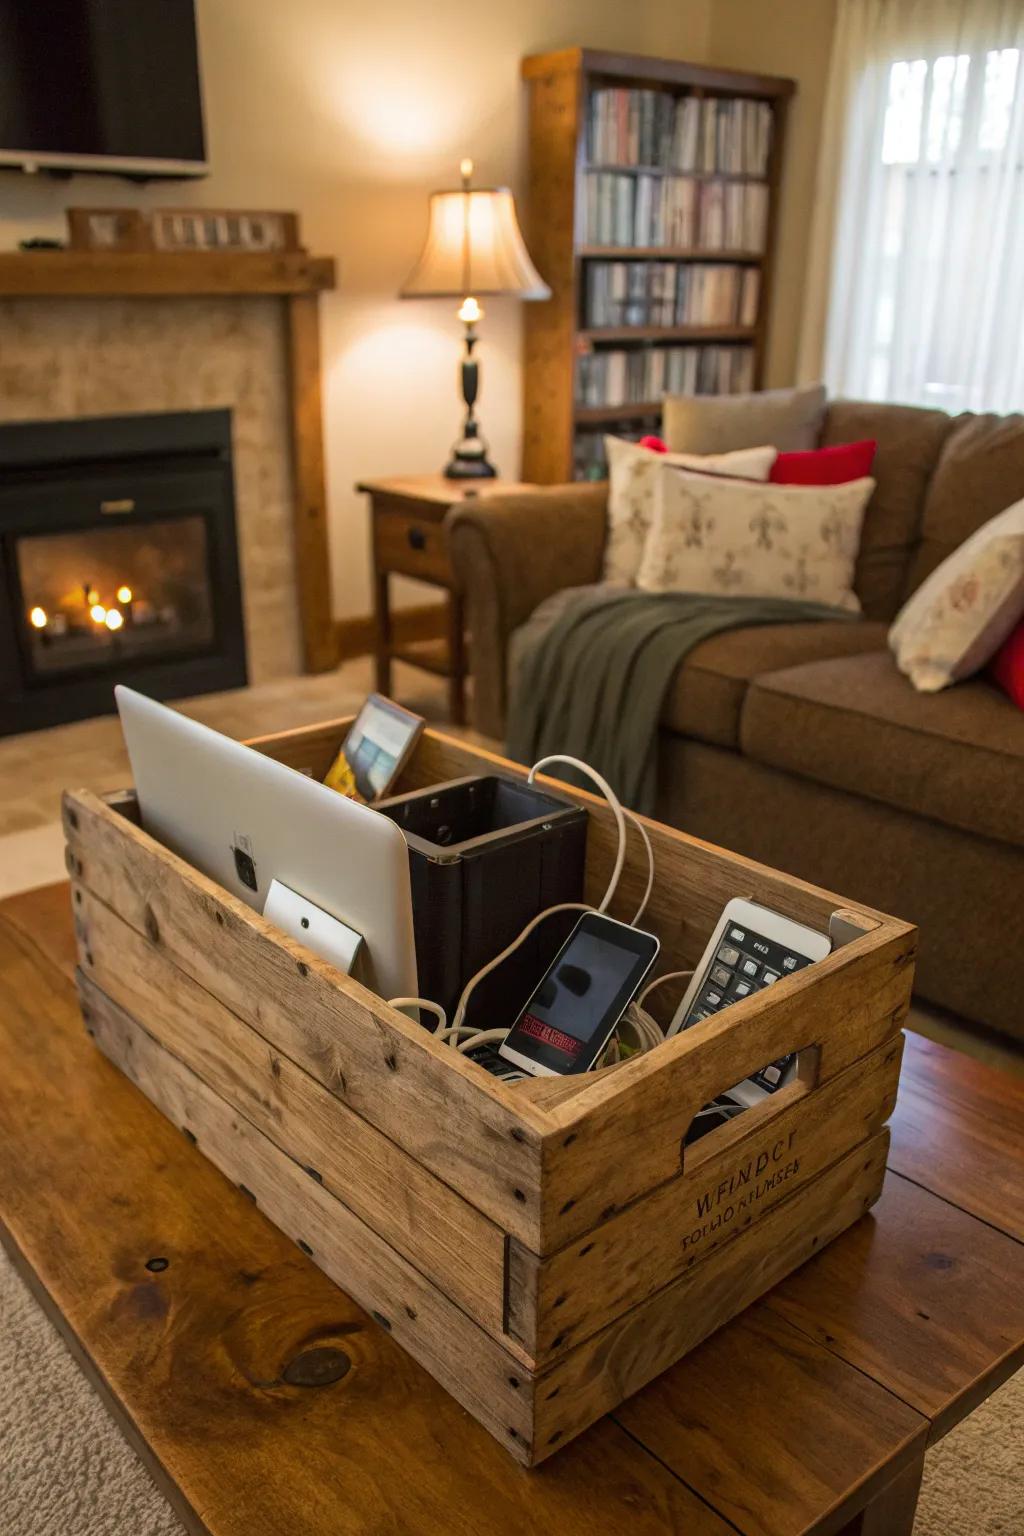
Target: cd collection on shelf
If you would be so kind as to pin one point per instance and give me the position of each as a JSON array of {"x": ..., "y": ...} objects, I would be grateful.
[
  {"x": 589, "y": 457},
  {"x": 644, "y": 374},
  {"x": 622, "y": 208},
  {"x": 668, "y": 293},
  {"x": 669, "y": 171},
  {"x": 729, "y": 135}
]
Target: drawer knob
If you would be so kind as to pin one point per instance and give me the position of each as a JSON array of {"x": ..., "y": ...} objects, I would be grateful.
[{"x": 417, "y": 538}]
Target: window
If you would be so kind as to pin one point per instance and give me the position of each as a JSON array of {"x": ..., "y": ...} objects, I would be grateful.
[{"x": 925, "y": 266}]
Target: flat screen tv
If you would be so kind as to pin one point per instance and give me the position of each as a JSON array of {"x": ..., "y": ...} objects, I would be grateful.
[{"x": 101, "y": 85}]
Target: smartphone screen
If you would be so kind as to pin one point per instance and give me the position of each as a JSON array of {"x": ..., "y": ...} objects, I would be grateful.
[{"x": 568, "y": 1020}]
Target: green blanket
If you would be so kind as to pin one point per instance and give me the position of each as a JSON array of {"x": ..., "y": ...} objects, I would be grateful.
[{"x": 594, "y": 683}]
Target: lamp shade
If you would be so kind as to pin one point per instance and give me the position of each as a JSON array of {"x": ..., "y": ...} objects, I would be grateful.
[{"x": 474, "y": 246}]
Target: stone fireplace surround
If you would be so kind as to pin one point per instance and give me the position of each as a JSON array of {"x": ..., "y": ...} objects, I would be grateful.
[{"x": 81, "y": 339}]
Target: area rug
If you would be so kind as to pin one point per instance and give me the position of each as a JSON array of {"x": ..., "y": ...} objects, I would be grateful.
[{"x": 66, "y": 1471}]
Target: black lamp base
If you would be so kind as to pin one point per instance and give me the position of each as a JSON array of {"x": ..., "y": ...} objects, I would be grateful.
[
  {"x": 470, "y": 462},
  {"x": 469, "y": 459}
]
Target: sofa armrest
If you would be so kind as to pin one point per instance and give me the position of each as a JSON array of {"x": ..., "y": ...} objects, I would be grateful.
[{"x": 509, "y": 553}]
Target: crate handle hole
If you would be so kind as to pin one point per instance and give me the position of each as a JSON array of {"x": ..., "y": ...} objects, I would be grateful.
[{"x": 699, "y": 1144}]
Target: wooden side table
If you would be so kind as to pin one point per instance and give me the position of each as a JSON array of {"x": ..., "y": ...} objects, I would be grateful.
[{"x": 409, "y": 539}]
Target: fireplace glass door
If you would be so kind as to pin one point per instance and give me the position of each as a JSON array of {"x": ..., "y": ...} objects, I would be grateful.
[
  {"x": 118, "y": 563},
  {"x": 106, "y": 597}
]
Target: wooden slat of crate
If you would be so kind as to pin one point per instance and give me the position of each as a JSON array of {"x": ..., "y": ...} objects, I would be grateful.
[
  {"x": 458, "y": 1354},
  {"x": 754, "y": 1164},
  {"x": 433, "y": 1227},
  {"x": 455, "y": 1119},
  {"x": 600, "y": 1373},
  {"x": 531, "y": 1414}
]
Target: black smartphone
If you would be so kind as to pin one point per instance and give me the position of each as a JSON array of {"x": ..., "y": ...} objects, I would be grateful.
[{"x": 569, "y": 1018}]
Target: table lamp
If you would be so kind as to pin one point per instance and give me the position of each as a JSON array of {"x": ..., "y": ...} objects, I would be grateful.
[{"x": 473, "y": 248}]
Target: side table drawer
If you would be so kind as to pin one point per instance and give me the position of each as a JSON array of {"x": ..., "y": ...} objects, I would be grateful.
[{"x": 411, "y": 546}]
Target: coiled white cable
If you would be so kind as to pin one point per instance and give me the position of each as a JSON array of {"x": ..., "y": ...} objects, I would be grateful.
[{"x": 668, "y": 976}]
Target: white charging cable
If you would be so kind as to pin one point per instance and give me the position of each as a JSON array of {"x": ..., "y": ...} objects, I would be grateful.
[
  {"x": 614, "y": 805},
  {"x": 423, "y": 1003},
  {"x": 668, "y": 976}
]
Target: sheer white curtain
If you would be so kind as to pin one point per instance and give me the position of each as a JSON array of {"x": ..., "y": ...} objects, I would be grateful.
[{"x": 916, "y": 277}]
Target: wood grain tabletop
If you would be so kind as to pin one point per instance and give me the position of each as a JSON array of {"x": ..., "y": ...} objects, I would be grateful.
[{"x": 263, "y": 1400}]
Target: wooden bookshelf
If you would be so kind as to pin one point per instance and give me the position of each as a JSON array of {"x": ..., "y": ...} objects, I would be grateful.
[{"x": 557, "y": 333}]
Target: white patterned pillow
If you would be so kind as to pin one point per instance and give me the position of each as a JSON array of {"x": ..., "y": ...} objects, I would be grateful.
[
  {"x": 956, "y": 620},
  {"x": 739, "y": 539},
  {"x": 631, "y": 474}
]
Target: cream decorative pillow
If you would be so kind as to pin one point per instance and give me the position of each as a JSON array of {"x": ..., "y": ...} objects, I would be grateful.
[
  {"x": 631, "y": 473},
  {"x": 740, "y": 539},
  {"x": 957, "y": 619}
]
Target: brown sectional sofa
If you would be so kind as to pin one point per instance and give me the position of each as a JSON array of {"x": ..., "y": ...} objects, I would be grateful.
[{"x": 802, "y": 745}]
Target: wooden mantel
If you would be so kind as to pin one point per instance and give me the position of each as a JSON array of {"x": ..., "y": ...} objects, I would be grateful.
[
  {"x": 293, "y": 276},
  {"x": 156, "y": 274}
]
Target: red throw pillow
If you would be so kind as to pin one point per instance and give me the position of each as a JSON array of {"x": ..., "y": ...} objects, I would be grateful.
[
  {"x": 825, "y": 466},
  {"x": 1007, "y": 665}
]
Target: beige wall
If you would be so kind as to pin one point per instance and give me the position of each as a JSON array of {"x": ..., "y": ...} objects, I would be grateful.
[
  {"x": 784, "y": 37},
  {"x": 350, "y": 113}
]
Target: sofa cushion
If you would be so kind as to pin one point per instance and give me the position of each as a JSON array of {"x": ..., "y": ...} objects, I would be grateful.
[
  {"x": 632, "y": 472},
  {"x": 706, "y": 696},
  {"x": 789, "y": 419},
  {"x": 1007, "y": 667},
  {"x": 909, "y": 442},
  {"x": 961, "y": 614},
  {"x": 856, "y": 724},
  {"x": 740, "y": 538},
  {"x": 980, "y": 471}
]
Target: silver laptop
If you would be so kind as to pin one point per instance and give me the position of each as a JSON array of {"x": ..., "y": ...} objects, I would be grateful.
[{"x": 247, "y": 821}]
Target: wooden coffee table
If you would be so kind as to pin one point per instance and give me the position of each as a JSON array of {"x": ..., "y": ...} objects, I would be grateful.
[{"x": 264, "y": 1401}]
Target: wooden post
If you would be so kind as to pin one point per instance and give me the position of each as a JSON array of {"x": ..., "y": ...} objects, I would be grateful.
[{"x": 312, "y": 563}]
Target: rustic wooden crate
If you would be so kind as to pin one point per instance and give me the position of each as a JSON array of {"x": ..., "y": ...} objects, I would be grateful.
[{"x": 543, "y": 1248}]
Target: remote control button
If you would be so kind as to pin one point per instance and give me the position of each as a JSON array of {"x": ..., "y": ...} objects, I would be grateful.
[
  {"x": 711, "y": 998},
  {"x": 771, "y": 1075},
  {"x": 728, "y": 955},
  {"x": 768, "y": 977},
  {"x": 720, "y": 976},
  {"x": 790, "y": 963},
  {"x": 737, "y": 935},
  {"x": 741, "y": 989},
  {"x": 749, "y": 967},
  {"x": 697, "y": 1014}
]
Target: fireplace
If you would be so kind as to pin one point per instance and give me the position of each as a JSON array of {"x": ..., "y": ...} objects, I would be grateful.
[{"x": 118, "y": 563}]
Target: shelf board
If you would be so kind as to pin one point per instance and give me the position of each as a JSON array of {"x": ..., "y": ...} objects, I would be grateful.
[
  {"x": 599, "y": 413},
  {"x": 160, "y": 274},
  {"x": 661, "y": 170},
  {"x": 641, "y": 68},
  {"x": 669, "y": 333},
  {"x": 666, "y": 253}
]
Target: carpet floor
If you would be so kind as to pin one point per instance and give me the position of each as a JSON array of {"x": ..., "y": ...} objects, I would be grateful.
[{"x": 66, "y": 1471}]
